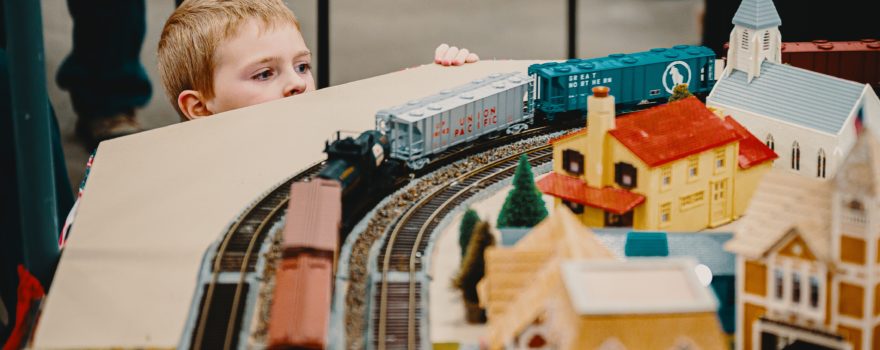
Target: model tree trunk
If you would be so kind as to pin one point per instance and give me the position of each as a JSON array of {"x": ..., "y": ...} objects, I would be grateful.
[
  {"x": 472, "y": 270},
  {"x": 523, "y": 206}
]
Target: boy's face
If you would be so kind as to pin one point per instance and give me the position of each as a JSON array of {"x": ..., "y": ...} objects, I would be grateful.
[{"x": 260, "y": 64}]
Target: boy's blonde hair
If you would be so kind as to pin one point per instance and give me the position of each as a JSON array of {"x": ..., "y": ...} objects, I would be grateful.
[{"x": 192, "y": 34}]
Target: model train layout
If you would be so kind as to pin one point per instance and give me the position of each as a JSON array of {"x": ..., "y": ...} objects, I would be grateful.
[{"x": 337, "y": 205}]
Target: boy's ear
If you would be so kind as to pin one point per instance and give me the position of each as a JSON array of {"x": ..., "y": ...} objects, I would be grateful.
[{"x": 193, "y": 105}]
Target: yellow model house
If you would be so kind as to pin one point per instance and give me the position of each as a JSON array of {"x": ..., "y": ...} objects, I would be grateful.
[
  {"x": 560, "y": 288},
  {"x": 807, "y": 258},
  {"x": 673, "y": 167}
]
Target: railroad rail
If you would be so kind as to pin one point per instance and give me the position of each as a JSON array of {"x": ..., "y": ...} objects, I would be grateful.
[
  {"x": 399, "y": 301},
  {"x": 222, "y": 303}
]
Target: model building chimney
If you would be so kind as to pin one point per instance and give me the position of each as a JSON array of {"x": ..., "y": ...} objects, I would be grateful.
[{"x": 600, "y": 119}]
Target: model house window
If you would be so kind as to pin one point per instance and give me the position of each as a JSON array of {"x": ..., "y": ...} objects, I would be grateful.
[
  {"x": 693, "y": 167},
  {"x": 665, "y": 213},
  {"x": 814, "y": 292},
  {"x": 537, "y": 342},
  {"x": 625, "y": 175},
  {"x": 796, "y": 288},
  {"x": 665, "y": 177},
  {"x": 767, "y": 40},
  {"x": 820, "y": 166},
  {"x": 745, "y": 39},
  {"x": 854, "y": 213},
  {"x": 691, "y": 200},
  {"x": 770, "y": 143},
  {"x": 795, "y": 156},
  {"x": 719, "y": 159},
  {"x": 576, "y": 208},
  {"x": 573, "y": 161},
  {"x": 778, "y": 277},
  {"x": 857, "y": 206}
]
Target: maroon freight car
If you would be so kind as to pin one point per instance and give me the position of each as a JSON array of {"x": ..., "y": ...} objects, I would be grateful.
[
  {"x": 852, "y": 60},
  {"x": 303, "y": 281},
  {"x": 313, "y": 217},
  {"x": 301, "y": 307}
]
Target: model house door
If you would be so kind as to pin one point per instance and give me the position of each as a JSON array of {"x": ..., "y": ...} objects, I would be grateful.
[{"x": 718, "y": 210}]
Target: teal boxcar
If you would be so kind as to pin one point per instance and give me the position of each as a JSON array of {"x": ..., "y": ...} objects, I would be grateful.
[{"x": 634, "y": 79}]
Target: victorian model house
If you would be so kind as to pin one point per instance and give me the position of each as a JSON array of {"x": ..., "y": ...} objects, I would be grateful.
[{"x": 807, "y": 258}]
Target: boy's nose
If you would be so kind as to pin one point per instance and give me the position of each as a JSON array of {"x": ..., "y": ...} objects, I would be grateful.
[{"x": 295, "y": 86}]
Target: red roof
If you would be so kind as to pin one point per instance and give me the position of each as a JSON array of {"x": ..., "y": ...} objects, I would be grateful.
[
  {"x": 615, "y": 200},
  {"x": 568, "y": 135},
  {"x": 672, "y": 131},
  {"x": 751, "y": 150}
]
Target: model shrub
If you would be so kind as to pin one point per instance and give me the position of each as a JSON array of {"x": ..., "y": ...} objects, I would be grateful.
[
  {"x": 523, "y": 206},
  {"x": 680, "y": 92},
  {"x": 465, "y": 229}
]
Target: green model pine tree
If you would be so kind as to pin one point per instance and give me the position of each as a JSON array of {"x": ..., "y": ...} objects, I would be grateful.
[
  {"x": 473, "y": 268},
  {"x": 680, "y": 92},
  {"x": 468, "y": 222},
  {"x": 523, "y": 206}
]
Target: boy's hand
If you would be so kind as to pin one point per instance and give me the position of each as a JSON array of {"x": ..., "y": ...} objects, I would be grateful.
[{"x": 453, "y": 56}]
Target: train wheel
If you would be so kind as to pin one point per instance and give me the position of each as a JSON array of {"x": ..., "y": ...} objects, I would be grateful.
[
  {"x": 417, "y": 164},
  {"x": 517, "y": 128}
]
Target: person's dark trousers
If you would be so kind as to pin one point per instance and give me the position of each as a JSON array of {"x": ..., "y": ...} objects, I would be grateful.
[
  {"x": 10, "y": 238},
  {"x": 103, "y": 73}
]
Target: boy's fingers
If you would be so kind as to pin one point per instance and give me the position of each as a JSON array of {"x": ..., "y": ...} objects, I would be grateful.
[
  {"x": 450, "y": 55},
  {"x": 471, "y": 58},
  {"x": 439, "y": 52},
  {"x": 459, "y": 59}
]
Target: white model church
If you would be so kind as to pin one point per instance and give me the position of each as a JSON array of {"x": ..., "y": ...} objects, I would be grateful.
[{"x": 809, "y": 119}]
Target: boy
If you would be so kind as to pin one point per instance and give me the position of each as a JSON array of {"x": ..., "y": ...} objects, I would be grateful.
[{"x": 220, "y": 55}]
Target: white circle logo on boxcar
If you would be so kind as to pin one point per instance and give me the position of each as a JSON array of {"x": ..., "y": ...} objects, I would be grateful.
[{"x": 678, "y": 72}]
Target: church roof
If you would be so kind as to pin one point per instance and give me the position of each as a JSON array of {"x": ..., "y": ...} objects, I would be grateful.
[
  {"x": 808, "y": 99},
  {"x": 757, "y": 14}
]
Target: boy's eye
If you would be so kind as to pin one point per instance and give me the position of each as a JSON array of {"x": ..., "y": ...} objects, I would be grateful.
[
  {"x": 302, "y": 68},
  {"x": 264, "y": 75}
]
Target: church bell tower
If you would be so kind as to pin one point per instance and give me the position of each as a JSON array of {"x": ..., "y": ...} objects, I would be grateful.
[{"x": 755, "y": 37}]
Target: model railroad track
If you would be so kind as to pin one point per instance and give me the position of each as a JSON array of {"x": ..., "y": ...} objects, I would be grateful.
[
  {"x": 222, "y": 304},
  {"x": 399, "y": 302}
]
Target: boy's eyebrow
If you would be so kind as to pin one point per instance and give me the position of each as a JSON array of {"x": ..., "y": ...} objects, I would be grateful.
[{"x": 273, "y": 58}]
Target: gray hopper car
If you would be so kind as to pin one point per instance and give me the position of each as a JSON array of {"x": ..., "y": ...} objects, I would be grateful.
[{"x": 423, "y": 128}]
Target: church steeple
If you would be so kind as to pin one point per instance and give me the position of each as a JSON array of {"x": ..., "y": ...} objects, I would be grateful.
[{"x": 755, "y": 37}]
